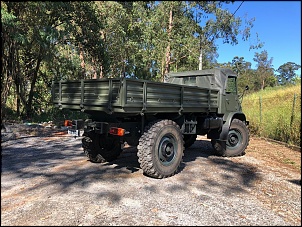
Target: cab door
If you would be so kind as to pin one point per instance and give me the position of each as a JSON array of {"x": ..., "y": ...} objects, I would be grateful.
[{"x": 231, "y": 95}]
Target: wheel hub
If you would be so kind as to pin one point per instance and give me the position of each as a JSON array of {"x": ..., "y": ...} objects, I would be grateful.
[
  {"x": 166, "y": 150},
  {"x": 233, "y": 139}
]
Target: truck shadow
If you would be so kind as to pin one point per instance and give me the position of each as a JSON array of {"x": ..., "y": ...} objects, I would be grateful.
[
  {"x": 200, "y": 164},
  {"x": 129, "y": 159},
  {"x": 65, "y": 166},
  {"x": 201, "y": 150}
]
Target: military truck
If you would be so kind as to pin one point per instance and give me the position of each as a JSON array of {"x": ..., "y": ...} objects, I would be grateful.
[{"x": 161, "y": 119}]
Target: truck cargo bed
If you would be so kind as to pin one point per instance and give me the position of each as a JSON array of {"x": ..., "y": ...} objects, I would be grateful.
[{"x": 133, "y": 96}]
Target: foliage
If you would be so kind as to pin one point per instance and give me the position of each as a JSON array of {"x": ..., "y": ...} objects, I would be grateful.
[
  {"x": 287, "y": 73},
  {"x": 265, "y": 70},
  {"x": 44, "y": 41},
  {"x": 41, "y": 42}
]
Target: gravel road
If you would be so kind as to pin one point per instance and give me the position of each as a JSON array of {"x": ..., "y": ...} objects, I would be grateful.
[{"x": 47, "y": 180}]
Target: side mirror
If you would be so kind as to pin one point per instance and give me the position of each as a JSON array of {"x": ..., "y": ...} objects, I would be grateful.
[{"x": 246, "y": 88}]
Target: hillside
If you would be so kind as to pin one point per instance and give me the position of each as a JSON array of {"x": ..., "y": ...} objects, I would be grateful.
[{"x": 275, "y": 113}]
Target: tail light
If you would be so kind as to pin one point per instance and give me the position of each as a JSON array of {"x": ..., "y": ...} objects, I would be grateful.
[
  {"x": 117, "y": 131},
  {"x": 67, "y": 123}
]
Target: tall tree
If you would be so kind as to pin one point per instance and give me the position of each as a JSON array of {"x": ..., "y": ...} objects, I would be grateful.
[
  {"x": 149, "y": 39},
  {"x": 245, "y": 74},
  {"x": 287, "y": 73},
  {"x": 8, "y": 21},
  {"x": 265, "y": 70},
  {"x": 142, "y": 39},
  {"x": 222, "y": 24},
  {"x": 239, "y": 65},
  {"x": 35, "y": 32},
  {"x": 116, "y": 17}
]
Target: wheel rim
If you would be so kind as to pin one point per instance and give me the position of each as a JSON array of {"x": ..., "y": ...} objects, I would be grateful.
[
  {"x": 234, "y": 139},
  {"x": 167, "y": 149}
]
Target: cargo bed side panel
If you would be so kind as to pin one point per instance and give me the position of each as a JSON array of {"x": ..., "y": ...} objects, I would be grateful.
[
  {"x": 133, "y": 96},
  {"x": 99, "y": 95},
  {"x": 153, "y": 97}
]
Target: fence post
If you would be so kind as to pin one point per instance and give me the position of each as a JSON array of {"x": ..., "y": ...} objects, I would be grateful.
[
  {"x": 260, "y": 104},
  {"x": 293, "y": 111},
  {"x": 291, "y": 118}
]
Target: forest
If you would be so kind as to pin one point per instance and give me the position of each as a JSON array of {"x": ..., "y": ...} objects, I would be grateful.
[{"x": 44, "y": 41}]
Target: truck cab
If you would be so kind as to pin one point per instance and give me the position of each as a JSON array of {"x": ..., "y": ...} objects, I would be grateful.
[{"x": 223, "y": 79}]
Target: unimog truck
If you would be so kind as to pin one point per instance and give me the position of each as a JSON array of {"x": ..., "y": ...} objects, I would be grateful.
[{"x": 161, "y": 119}]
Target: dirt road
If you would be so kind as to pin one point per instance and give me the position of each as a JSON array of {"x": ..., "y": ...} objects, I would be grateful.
[{"x": 48, "y": 181}]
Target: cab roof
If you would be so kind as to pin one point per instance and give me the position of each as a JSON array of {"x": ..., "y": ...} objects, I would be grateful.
[{"x": 207, "y": 78}]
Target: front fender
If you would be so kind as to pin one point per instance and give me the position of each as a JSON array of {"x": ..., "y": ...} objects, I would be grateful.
[{"x": 226, "y": 125}]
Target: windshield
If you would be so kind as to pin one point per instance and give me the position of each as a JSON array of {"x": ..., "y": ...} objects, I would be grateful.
[{"x": 231, "y": 87}]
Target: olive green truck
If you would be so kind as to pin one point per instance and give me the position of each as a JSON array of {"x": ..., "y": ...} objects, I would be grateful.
[{"x": 161, "y": 119}]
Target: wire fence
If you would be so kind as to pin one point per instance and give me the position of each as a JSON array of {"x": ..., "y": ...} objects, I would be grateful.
[{"x": 277, "y": 118}]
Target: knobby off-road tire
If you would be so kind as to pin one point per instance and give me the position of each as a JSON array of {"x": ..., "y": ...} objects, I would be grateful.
[
  {"x": 237, "y": 141},
  {"x": 160, "y": 149},
  {"x": 189, "y": 140},
  {"x": 100, "y": 150}
]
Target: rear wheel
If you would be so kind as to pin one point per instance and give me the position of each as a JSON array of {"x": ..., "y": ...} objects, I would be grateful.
[
  {"x": 237, "y": 140},
  {"x": 101, "y": 149},
  {"x": 160, "y": 149}
]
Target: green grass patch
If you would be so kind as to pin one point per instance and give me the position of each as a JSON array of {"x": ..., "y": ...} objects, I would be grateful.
[
  {"x": 288, "y": 161},
  {"x": 275, "y": 113}
]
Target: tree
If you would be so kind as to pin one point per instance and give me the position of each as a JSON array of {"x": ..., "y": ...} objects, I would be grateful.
[
  {"x": 287, "y": 73},
  {"x": 8, "y": 21},
  {"x": 239, "y": 65},
  {"x": 43, "y": 41},
  {"x": 35, "y": 34},
  {"x": 244, "y": 72},
  {"x": 149, "y": 39},
  {"x": 221, "y": 25},
  {"x": 265, "y": 70}
]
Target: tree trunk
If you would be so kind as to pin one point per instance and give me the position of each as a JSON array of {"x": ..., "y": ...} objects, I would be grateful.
[
  {"x": 101, "y": 71},
  {"x": 5, "y": 87},
  {"x": 94, "y": 76},
  {"x": 9, "y": 72},
  {"x": 168, "y": 49},
  {"x": 28, "y": 107},
  {"x": 200, "y": 60},
  {"x": 17, "y": 82},
  {"x": 202, "y": 38},
  {"x": 82, "y": 61},
  {"x": 262, "y": 84},
  {"x": 17, "y": 96}
]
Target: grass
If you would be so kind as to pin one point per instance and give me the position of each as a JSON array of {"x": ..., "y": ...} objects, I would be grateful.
[
  {"x": 275, "y": 113},
  {"x": 288, "y": 161}
]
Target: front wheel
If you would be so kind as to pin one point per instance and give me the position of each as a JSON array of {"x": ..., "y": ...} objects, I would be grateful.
[
  {"x": 237, "y": 140},
  {"x": 160, "y": 149}
]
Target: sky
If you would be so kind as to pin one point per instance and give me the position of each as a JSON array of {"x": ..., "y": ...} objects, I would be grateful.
[{"x": 278, "y": 24}]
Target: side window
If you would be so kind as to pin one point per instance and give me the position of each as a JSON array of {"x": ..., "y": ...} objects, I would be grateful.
[
  {"x": 190, "y": 80},
  {"x": 231, "y": 86}
]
